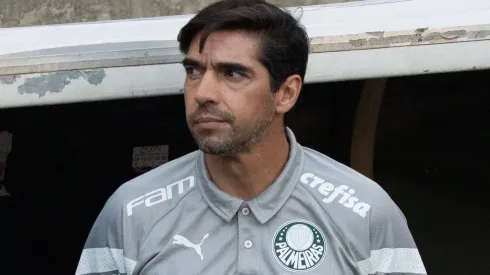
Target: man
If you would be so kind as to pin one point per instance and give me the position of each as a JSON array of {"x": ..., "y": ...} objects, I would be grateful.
[{"x": 251, "y": 200}]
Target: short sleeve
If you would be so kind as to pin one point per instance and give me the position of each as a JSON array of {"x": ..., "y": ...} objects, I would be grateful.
[
  {"x": 104, "y": 251},
  {"x": 392, "y": 246}
]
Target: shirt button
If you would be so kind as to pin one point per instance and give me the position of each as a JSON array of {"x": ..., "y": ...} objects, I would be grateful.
[
  {"x": 245, "y": 211},
  {"x": 248, "y": 244}
]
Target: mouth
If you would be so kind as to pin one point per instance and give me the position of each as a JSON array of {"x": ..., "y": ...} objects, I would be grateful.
[{"x": 208, "y": 122}]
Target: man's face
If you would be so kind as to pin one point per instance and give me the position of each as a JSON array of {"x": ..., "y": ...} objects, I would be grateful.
[{"x": 228, "y": 99}]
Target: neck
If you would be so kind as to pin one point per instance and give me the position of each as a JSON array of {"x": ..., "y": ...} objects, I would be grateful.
[{"x": 247, "y": 175}]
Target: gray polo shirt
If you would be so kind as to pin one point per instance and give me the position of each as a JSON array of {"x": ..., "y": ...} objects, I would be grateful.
[{"x": 318, "y": 217}]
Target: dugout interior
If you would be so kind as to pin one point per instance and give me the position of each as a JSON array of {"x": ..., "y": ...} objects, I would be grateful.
[{"x": 431, "y": 154}]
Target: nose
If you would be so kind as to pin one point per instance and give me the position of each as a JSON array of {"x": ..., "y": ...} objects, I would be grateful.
[{"x": 208, "y": 89}]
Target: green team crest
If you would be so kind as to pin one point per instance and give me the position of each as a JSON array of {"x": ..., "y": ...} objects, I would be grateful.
[{"x": 299, "y": 246}]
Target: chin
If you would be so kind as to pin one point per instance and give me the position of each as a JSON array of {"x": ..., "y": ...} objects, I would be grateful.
[
  {"x": 204, "y": 135},
  {"x": 214, "y": 146},
  {"x": 208, "y": 141},
  {"x": 211, "y": 149}
]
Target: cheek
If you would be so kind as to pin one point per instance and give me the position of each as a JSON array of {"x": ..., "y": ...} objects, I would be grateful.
[
  {"x": 189, "y": 103},
  {"x": 248, "y": 106}
]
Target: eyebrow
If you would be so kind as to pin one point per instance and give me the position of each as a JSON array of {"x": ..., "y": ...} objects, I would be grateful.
[
  {"x": 222, "y": 66},
  {"x": 234, "y": 66},
  {"x": 189, "y": 62}
]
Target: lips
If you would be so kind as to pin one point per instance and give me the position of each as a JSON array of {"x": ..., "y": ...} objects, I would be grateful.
[{"x": 208, "y": 119}]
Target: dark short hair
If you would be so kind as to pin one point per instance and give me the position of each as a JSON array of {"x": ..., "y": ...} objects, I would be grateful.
[{"x": 284, "y": 42}]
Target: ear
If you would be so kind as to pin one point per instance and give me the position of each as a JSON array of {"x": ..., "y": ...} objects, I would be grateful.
[{"x": 288, "y": 94}]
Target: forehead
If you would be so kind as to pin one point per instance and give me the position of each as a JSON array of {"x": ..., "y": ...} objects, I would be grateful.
[{"x": 226, "y": 46}]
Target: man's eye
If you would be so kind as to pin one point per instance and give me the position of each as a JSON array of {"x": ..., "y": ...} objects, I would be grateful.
[
  {"x": 233, "y": 75},
  {"x": 192, "y": 72}
]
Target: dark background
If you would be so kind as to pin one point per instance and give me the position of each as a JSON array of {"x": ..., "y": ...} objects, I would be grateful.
[{"x": 432, "y": 156}]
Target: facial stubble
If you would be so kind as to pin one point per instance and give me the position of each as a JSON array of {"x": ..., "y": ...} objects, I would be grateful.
[{"x": 239, "y": 137}]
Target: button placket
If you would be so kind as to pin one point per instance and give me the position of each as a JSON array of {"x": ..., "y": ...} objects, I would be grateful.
[{"x": 247, "y": 243}]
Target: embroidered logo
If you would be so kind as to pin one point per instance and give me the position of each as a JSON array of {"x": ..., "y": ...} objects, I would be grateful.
[{"x": 299, "y": 246}]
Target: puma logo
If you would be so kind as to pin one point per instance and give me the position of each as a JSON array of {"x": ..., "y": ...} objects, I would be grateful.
[{"x": 185, "y": 242}]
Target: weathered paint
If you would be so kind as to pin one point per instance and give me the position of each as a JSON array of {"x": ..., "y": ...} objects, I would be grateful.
[
  {"x": 391, "y": 28},
  {"x": 401, "y": 38},
  {"x": 8, "y": 80},
  {"x": 166, "y": 52},
  {"x": 56, "y": 82},
  {"x": 80, "y": 86},
  {"x": 398, "y": 61},
  {"x": 168, "y": 79},
  {"x": 479, "y": 34},
  {"x": 324, "y": 21}
]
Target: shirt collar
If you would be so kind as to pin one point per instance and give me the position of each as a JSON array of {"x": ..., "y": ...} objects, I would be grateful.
[{"x": 268, "y": 203}]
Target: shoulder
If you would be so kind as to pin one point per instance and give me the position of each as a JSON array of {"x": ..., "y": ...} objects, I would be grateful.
[
  {"x": 359, "y": 208},
  {"x": 163, "y": 186},
  {"x": 334, "y": 183},
  {"x": 137, "y": 205}
]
